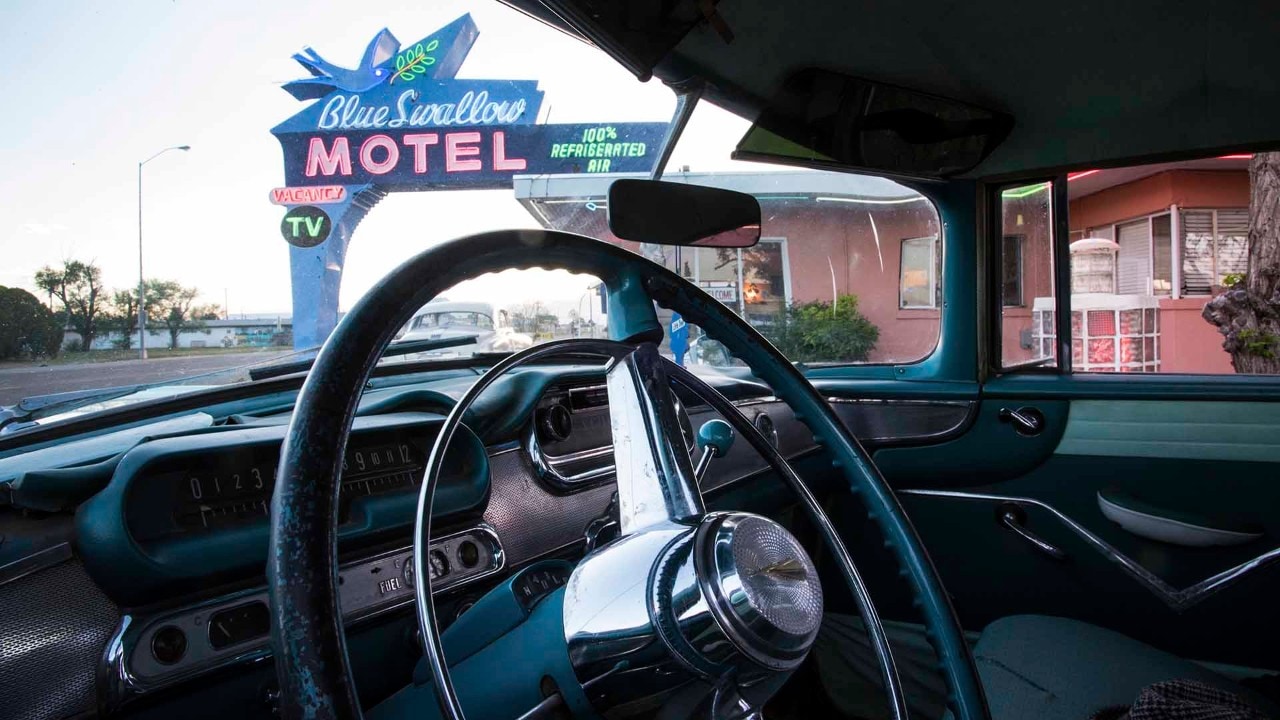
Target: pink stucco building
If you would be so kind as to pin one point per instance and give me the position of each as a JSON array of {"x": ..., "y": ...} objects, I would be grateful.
[{"x": 1172, "y": 232}]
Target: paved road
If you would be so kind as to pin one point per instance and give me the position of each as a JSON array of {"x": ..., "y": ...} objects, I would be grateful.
[{"x": 23, "y": 381}]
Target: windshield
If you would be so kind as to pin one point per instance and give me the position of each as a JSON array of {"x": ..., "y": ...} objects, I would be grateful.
[
  {"x": 254, "y": 169},
  {"x": 219, "y": 190}
]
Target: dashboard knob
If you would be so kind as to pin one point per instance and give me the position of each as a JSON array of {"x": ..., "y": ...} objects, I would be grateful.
[{"x": 556, "y": 423}]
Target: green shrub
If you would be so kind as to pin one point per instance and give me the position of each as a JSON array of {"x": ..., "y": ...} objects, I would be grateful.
[
  {"x": 27, "y": 327},
  {"x": 813, "y": 332}
]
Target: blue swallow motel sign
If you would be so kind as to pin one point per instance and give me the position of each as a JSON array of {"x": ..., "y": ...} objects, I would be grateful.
[{"x": 402, "y": 122}]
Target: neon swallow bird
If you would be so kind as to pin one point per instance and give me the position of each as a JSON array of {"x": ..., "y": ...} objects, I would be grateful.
[{"x": 328, "y": 77}]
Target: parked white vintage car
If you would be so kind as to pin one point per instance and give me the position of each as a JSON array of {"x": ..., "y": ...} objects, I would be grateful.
[{"x": 490, "y": 325}]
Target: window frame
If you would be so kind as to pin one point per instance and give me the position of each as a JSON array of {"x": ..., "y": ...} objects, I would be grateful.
[
  {"x": 1063, "y": 382},
  {"x": 1175, "y": 247},
  {"x": 1059, "y": 272},
  {"x": 935, "y": 273}
]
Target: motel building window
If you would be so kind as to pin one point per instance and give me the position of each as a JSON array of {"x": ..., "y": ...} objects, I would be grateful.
[
  {"x": 921, "y": 269},
  {"x": 1212, "y": 246},
  {"x": 1215, "y": 245},
  {"x": 754, "y": 281}
]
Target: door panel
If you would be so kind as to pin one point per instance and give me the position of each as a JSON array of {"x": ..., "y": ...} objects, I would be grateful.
[
  {"x": 1217, "y": 460},
  {"x": 990, "y": 573},
  {"x": 1229, "y": 431},
  {"x": 990, "y": 450}
]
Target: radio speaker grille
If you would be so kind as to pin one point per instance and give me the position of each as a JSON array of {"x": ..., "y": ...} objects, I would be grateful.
[{"x": 56, "y": 625}]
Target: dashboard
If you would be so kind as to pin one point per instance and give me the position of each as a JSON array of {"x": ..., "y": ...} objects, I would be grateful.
[
  {"x": 231, "y": 487},
  {"x": 171, "y": 548}
]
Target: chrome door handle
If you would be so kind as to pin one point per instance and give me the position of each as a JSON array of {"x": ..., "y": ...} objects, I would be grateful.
[{"x": 1014, "y": 518}]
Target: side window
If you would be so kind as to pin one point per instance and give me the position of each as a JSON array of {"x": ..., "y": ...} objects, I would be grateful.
[
  {"x": 1155, "y": 249},
  {"x": 1026, "y": 274},
  {"x": 920, "y": 271}
]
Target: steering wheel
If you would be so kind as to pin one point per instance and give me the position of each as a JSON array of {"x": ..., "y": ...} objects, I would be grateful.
[{"x": 728, "y": 599}]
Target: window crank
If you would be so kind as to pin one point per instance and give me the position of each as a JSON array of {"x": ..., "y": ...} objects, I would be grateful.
[{"x": 1025, "y": 420}]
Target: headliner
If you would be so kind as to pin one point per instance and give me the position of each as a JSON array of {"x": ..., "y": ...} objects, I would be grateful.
[{"x": 1089, "y": 82}]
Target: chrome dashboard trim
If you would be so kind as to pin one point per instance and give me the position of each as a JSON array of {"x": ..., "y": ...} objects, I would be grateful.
[
  {"x": 36, "y": 561},
  {"x": 548, "y": 470},
  {"x": 1177, "y": 599},
  {"x": 549, "y": 466},
  {"x": 923, "y": 438},
  {"x": 895, "y": 401},
  {"x": 119, "y": 684},
  {"x": 582, "y": 455}
]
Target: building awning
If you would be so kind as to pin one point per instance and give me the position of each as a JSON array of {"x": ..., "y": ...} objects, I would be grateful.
[{"x": 577, "y": 203}]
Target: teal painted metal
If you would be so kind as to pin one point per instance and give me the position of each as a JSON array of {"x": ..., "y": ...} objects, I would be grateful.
[
  {"x": 496, "y": 613},
  {"x": 503, "y": 679},
  {"x": 134, "y": 574},
  {"x": 632, "y": 316},
  {"x": 989, "y": 451},
  {"x": 1206, "y": 430}
]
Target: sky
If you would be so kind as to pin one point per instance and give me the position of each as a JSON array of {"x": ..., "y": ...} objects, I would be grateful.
[{"x": 91, "y": 88}]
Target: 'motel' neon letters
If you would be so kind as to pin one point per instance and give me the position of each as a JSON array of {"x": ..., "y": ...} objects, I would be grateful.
[{"x": 381, "y": 154}]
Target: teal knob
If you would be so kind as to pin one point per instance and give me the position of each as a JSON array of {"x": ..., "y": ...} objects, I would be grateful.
[{"x": 716, "y": 435}]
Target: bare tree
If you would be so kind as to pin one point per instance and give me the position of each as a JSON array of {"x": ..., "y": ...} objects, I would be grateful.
[{"x": 1248, "y": 313}]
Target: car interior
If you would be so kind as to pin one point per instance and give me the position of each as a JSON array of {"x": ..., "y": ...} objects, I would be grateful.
[{"x": 584, "y": 528}]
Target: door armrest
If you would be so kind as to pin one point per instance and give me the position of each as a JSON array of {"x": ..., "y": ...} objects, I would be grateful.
[{"x": 1173, "y": 526}]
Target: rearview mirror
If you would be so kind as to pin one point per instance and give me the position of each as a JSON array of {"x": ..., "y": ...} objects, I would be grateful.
[{"x": 667, "y": 213}]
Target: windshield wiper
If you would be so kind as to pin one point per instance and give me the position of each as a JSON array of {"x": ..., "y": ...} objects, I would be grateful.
[
  {"x": 402, "y": 347},
  {"x": 26, "y": 408}
]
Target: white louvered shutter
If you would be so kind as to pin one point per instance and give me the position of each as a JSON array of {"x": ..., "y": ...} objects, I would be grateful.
[
  {"x": 1233, "y": 242},
  {"x": 1197, "y": 251},
  {"x": 1133, "y": 271}
]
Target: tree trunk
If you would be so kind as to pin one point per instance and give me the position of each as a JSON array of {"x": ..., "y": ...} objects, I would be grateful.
[{"x": 1248, "y": 314}]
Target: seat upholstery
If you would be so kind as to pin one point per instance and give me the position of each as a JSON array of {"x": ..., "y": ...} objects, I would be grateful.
[{"x": 1048, "y": 668}]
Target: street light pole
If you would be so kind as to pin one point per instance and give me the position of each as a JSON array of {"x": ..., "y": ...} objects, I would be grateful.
[{"x": 142, "y": 295}]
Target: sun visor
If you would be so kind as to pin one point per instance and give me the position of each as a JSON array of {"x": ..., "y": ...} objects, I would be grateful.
[{"x": 824, "y": 119}]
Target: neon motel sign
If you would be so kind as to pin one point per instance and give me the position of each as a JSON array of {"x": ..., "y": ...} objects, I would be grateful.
[{"x": 402, "y": 122}]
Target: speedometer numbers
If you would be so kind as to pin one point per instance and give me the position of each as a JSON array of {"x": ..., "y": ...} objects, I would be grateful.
[{"x": 239, "y": 488}]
